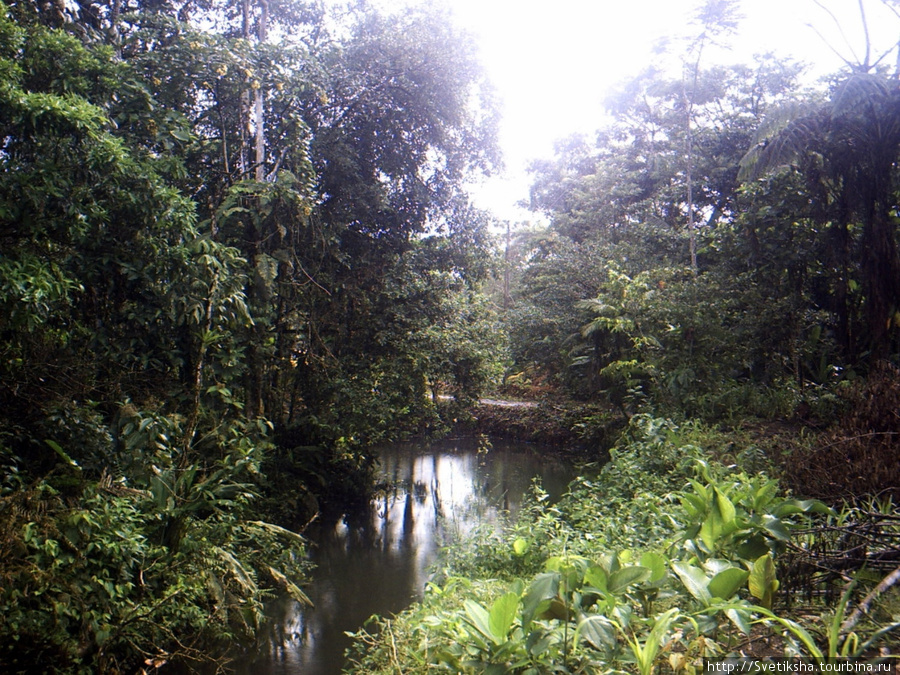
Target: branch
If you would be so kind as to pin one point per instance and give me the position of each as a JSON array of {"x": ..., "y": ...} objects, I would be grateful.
[
  {"x": 821, "y": 6},
  {"x": 863, "y": 606}
]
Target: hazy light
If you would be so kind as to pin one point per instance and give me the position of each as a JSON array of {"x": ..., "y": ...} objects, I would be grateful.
[{"x": 554, "y": 61}]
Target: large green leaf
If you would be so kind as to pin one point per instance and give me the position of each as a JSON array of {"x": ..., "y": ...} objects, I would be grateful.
[
  {"x": 791, "y": 506},
  {"x": 740, "y": 617},
  {"x": 775, "y": 527},
  {"x": 596, "y": 630},
  {"x": 723, "y": 507},
  {"x": 694, "y": 580},
  {"x": 544, "y": 587},
  {"x": 657, "y": 565},
  {"x": 753, "y": 547},
  {"x": 763, "y": 582},
  {"x": 597, "y": 577},
  {"x": 623, "y": 578},
  {"x": 503, "y": 613},
  {"x": 479, "y": 618},
  {"x": 727, "y": 582}
]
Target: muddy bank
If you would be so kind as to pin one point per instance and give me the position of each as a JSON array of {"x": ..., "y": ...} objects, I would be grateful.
[{"x": 586, "y": 429}]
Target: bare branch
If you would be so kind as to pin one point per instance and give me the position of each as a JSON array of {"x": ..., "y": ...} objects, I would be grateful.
[
  {"x": 843, "y": 35},
  {"x": 863, "y": 606}
]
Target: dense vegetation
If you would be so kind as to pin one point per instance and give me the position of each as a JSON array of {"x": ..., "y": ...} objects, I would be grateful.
[
  {"x": 237, "y": 251},
  {"x": 665, "y": 558},
  {"x": 229, "y": 264},
  {"x": 721, "y": 269}
]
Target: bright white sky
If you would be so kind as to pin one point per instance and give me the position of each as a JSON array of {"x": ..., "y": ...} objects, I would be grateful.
[{"x": 553, "y": 61}]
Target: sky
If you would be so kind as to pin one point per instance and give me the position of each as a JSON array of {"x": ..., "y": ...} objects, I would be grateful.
[{"x": 553, "y": 62}]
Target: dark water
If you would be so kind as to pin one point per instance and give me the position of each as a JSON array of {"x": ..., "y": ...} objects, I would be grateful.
[{"x": 378, "y": 562}]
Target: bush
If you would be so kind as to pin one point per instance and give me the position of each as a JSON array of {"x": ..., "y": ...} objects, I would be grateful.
[{"x": 103, "y": 575}]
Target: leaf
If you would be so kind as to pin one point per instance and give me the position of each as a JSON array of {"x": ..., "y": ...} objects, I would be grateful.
[
  {"x": 596, "y": 630},
  {"x": 520, "y": 546},
  {"x": 709, "y": 533},
  {"x": 290, "y": 587},
  {"x": 596, "y": 577},
  {"x": 775, "y": 527},
  {"x": 236, "y": 569},
  {"x": 790, "y": 506},
  {"x": 762, "y": 582},
  {"x": 625, "y": 577},
  {"x": 727, "y": 582},
  {"x": 693, "y": 504},
  {"x": 715, "y": 565},
  {"x": 544, "y": 587},
  {"x": 723, "y": 507},
  {"x": 479, "y": 618},
  {"x": 694, "y": 580},
  {"x": 740, "y": 618},
  {"x": 557, "y": 609},
  {"x": 753, "y": 548},
  {"x": 538, "y": 642},
  {"x": 503, "y": 613},
  {"x": 57, "y": 448},
  {"x": 266, "y": 268},
  {"x": 657, "y": 565}
]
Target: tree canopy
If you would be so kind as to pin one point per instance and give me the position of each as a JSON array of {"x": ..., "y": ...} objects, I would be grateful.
[
  {"x": 237, "y": 250},
  {"x": 222, "y": 253}
]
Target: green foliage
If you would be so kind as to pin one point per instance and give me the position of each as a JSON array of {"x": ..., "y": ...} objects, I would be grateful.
[
  {"x": 603, "y": 582},
  {"x": 846, "y": 149},
  {"x": 776, "y": 309},
  {"x": 741, "y": 514},
  {"x": 207, "y": 235},
  {"x": 102, "y": 583}
]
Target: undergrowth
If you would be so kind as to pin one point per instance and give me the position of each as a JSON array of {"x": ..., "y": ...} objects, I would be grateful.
[{"x": 662, "y": 558}]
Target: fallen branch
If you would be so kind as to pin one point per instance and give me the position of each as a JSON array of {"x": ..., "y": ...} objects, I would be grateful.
[{"x": 863, "y": 607}]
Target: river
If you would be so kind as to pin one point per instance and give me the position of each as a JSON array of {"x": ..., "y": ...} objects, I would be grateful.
[{"x": 378, "y": 561}]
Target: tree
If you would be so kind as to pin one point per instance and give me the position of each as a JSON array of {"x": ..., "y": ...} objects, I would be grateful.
[
  {"x": 635, "y": 173},
  {"x": 624, "y": 206},
  {"x": 164, "y": 304},
  {"x": 715, "y": 18},
  {"x": 846, "y": 150}
]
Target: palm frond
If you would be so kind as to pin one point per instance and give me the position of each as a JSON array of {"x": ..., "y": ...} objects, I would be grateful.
[
  {"x": 784, "y": 137},
  {"x": 279, "y": 531},
  {"x": 859, "y": 93},
  {"x": 597, "y": 306},
  {"x": 236, "y": 569}
]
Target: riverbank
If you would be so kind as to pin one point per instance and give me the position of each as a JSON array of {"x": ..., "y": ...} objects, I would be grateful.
[
  {"x": 672, "y": 554},
  {"x": 377, "y": 560},
  {"x": 586, "y": 429}
]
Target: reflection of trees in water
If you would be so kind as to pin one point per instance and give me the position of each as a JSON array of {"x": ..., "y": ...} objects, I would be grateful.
[
  {"x": 376, "y": 560},
  {"x": 436, "y": 489}
]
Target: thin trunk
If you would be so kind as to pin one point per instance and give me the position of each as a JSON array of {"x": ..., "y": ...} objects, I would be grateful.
[
  {"x": 243, "y": 159},
  {"x": 197, "y": 375},
  {"x": 689, "y": 154},
  {"x": 882, "y": 291},
  {"x": 259, "y": 102},
  {"x": 114, "y": 27},
  {"x": 692, "y": 232},
  {"x": 506, "y": 299}
]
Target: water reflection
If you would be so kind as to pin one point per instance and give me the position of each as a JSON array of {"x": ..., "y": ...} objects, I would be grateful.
[{"x": 377, "y": 561}]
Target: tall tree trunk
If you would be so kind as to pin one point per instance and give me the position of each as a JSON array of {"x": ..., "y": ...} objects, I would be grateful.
[
  {"x": 243, "y": 158},
  {"x": 259, "y": 101}
]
